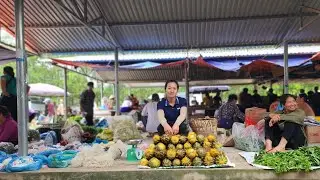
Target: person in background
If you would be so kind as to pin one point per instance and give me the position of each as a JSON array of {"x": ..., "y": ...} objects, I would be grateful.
[
  {"x": 150, "y": 110},
  {"x": 60, "y": 109},
  {"x": 135, "y": 102},
  {"x": 229, "y": 113},
  {"x": 302, "y": 92},
  {"x": 194, "y": 101},
  {"x": 271, "y": 96},
  {"x": 245, "y": 99},
  {"x": 302, "y": 104},
  {"x": 172, "y": 111},
  {"x": 276, "y": 106},
  {"x": 49, "y": 109},
  {"x": 310, "y": 95},
  {"x": 87, "y": 103},
  {"x": 111, "y": 102},
  {"x": 9, "y": 91},
  {"x": 256, "y": 99},
  {"x": 316, "y": 101},
  {"x": 126, "y": 105},
  {"x": 217, "y": 101},
  {"x": 207, "y": 100},
  {"x": 284, "y": 129},
  {"x": 8, "y": 127}
]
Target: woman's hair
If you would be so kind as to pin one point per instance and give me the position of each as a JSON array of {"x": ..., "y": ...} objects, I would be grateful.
[
  {"x": 9, "y": 70},
  {"x": 155, "y": 97},
  {"x": 4, "y": 111},
  {"x": 171, "y": 81},
  {"x": 284, "y": 98},
  {"x": 232, "y": 97}
]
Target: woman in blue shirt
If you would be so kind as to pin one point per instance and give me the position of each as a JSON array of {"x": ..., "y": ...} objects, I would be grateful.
[{"x": 172, "y": 111}]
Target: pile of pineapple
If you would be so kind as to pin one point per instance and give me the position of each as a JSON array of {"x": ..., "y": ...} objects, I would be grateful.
[{"x": 177, "y": 150}]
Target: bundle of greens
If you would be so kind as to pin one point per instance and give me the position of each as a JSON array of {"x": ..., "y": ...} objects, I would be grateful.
[{"x": 296, "y": 160}]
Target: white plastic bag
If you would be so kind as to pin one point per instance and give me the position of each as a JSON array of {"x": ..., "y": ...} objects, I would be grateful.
[{"x": 247, "y": 139}]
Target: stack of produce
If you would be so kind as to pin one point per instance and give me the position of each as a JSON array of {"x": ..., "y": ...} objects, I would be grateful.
[
  {"x": 106, "y": 134},
  {"x": 177, "y": 150},
  {"x": 301, "y": 159}
]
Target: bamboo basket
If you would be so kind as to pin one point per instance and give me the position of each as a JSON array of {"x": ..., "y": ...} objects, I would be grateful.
[{"x": 204, "y": 126}]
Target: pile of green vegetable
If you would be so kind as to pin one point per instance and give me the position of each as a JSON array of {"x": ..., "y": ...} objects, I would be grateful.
[{"x": 296, "y": 160}]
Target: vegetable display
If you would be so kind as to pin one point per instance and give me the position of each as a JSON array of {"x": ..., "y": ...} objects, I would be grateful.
[
  {"x": 183, "y": 151},
  {"x": 301, "y": 159}
]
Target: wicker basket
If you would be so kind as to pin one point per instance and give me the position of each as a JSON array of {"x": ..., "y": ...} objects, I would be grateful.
[{"x": 204, "y": 126}]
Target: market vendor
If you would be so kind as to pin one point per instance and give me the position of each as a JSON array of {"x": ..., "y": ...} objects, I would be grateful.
[
  {"x": 284, "y": 129},
  {"x": 172, "y": 111},
  {"x": 8, "y": 127}
]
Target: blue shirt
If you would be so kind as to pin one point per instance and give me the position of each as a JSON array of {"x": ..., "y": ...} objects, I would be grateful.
[{"x": 171, "y": 113}]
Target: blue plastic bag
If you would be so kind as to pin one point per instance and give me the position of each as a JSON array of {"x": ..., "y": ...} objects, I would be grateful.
[
  {"x": 103, "y": 123},
  {"x": 42, "y": 158},
  {"x": 21, "y": 164},
  {"x": 49, "y": 152},
  {"x": 3, "y": 156},
  {"x": 99, "y": 141},
  {"x": 61, "y": 160}
]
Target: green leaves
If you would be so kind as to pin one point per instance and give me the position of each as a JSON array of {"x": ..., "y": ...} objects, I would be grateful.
[{"x": 296, "y": 160}]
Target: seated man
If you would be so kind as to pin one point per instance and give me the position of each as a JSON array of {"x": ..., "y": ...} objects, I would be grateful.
[
  {"x": 284, "y": 129},
  {"x": 8, "y": 127},
  {"x": 229, "y": 113}
]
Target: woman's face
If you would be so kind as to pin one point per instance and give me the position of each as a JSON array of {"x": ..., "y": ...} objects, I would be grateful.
[
  {"x": 291, "y": 104},
  {"x": 171, "y": 90}
]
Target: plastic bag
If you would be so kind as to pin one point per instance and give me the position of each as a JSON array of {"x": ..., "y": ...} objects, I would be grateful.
[
  {"x": 26, "y": 163},
  {"x": 3, "y": 156},
  {"x": 72, "y": 133},
  {"x": 49, "y": 152},
  {"x": 42, "y": 158},
  {"x": 125, "y": 130},
  {"x": 103, "y": 123},
  {"x": 61, "y": 160},
  {"x": 247, "y": 139}
]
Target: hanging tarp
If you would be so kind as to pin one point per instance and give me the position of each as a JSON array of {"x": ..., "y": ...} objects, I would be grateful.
[
  {"x": 45, "y": 90},
  {"x": 142, "y": 65}
]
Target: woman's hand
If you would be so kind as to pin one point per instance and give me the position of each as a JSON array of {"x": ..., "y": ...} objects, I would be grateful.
[
  {"x": 167, "y": 129},
  {"x": 175, "y": 129},
  {"x": 274, "y": 119},
  {"x": 6, "y": 94}
]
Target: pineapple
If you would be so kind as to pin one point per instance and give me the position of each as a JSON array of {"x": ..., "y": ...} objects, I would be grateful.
[
  {"x": 154, "y": 163},
  {"x": 166, "y": 163},
  {"x": 144, "y": 162},
  {"x": 186, "y": 161},
  {"x": 176, "y": 162},
  {"x": 171, "y": 154},
  {"x": 174, "y": 140},
  {"x": 156, "y": 139},
  {"x": 181, "y": 153}
]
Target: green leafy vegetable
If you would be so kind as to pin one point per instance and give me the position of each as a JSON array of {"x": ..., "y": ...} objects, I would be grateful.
[{"x": 297, "y": 160}]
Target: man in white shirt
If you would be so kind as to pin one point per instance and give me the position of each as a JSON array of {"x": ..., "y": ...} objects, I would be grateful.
[{"x": 150, "y": 110}]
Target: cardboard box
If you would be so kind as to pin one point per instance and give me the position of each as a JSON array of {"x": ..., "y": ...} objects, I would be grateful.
[{"x": 313, "y": 134}]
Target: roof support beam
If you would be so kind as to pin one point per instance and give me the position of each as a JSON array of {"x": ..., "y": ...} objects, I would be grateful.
[
  {"x": 84, "y": 24},
  {"x": 96, "y": 23}
]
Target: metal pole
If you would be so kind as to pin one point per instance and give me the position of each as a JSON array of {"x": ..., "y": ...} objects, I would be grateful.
[
  {"x": 286, "y": 72},
  {"x": 22, "y": 97},
  {"x": 116, "y": 80},
  {"x": 65, "y": 73},
  {"x": 101, "y": 93},
  {"x": 186, "y": 78}
]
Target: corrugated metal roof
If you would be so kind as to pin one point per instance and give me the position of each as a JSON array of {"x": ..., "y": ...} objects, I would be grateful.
[
  {"x": 165, "y": 24},
  {"x": 121, "y": 11}
]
